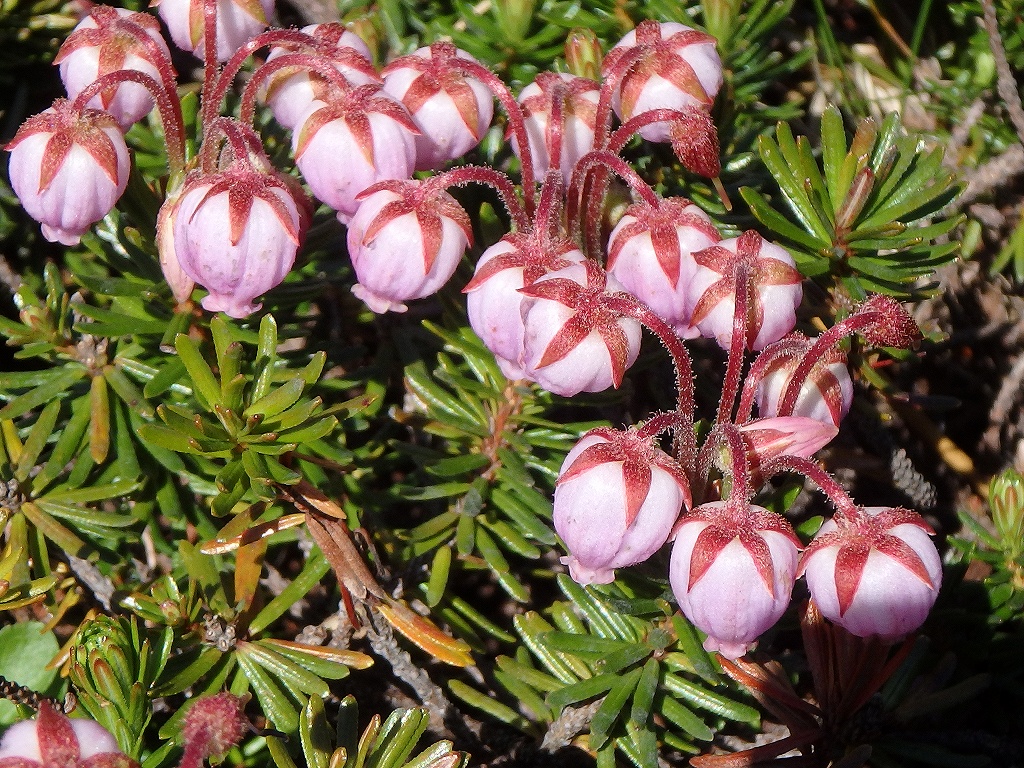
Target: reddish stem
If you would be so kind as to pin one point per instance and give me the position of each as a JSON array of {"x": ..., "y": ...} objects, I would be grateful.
[
  {"x": 476, "y": 174},
  {"x": 210, "y": 106},
  {"x": 611, "y": 161},
  {"x": 621, "y": 136},
  {"x": 686, "y": 440},
  {"x": 756, "y": 373},
  {"x": 169, "y": 110},
  {"x": 846, "y": 509},
  {"x": 612, "y": 80},
  {"x": 737, "y": 344},
  {"x": 309, "y": 61}
]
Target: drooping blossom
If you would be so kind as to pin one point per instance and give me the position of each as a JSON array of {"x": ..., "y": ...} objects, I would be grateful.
[
  {"x": 493, "y": 299},
  {"x": 572, "y": 341},
  {"x": 773, "y": 290},
  {"x": 108, "y": 40},
  {"x": 451, "y": 109},
  {"x": 732, "y": 571},
  {"x": 825, "y": 394},
  {"x": 678, "y": 68},
  {"x": 357, "y": 138},
  {"x": 53, "y": 740},
  {"x": 616, "y": 500},
  {"x": 68, "y": 169},
  {"x": 405, "y": 241},
  {"x": 874, "y": 573},
  {"x": 579, "y": 117},
  {"x": 650, "y": 252}
]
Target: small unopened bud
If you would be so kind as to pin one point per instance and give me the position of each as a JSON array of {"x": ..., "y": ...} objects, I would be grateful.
[
  {"x": 583, "y": 54},
  {"x": 1006, "y": 500},
  {"x": 212, "y": 726},
  {"x": 695, "y": 141},
  {"x": 894, "y": 326}
]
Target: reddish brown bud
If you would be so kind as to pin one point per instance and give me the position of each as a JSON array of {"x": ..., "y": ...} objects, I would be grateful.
[
  {"x": 894, "y": 326},
  {"x": 695, "y": 141}
]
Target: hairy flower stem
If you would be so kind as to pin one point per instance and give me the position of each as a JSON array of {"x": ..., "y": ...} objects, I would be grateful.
[
  {"x": 846, "y": 509},
  {"x": 612, "y": 80},
  {"x": 239, "y": 57},
  {"x": 308, "y": 61},
  {"x": 515, "y": 119},
  {"x": 238, "y": 136},
  {"x": 168, "y": 108},
  {"x": 725, "y": 436},
  {"x": 210, "y": 107},
  {"x": 685, "y": 439},
  {"x": 498, "y": 181},
  {"x": 738, "y": 343},
  {"x": 621, "y": 136},
  {"x": 827, "y": 340},
  {"x": 577, "y": 184},
  {"x": 757, "y": 371}
]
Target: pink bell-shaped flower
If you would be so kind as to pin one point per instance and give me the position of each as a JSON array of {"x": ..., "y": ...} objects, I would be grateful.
[
  {"x": 493, "y": 300},
  {"x": 290, "y": 91},
  {"x": 452, "y": 110},
  {"x": 237, "y": 22},
  {"x": 579, "y": 118},
  {"x": 825, "y": 395},
  {"x": 68, "y": 169},
  {"x": 108, "y": 40},
  {"x": 236, "y": 232},
  {"x": 405, "y": 241},
  {"x": 732, "y": 572},
  {"x": 767, "y": 439},
  {"x": 678, "y": 69},
  {"x": 53, "y": 739},
  {"x": 773, "y": 290},
  {"x": 572, "y": 341},
  {"x": 352, "y": 141},
  {"x": 650, "y": 252},
  {"x": 875, "y": 572},
  {"x": 616, "y": 500}
]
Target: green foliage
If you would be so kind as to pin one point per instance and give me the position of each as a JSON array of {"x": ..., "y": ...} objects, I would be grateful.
[
  {"x": 25, "y": 653},
  {"x": 861, "y": 214}
]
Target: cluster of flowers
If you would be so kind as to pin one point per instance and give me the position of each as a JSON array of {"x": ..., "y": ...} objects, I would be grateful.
[{"x": 554, "y": 300}]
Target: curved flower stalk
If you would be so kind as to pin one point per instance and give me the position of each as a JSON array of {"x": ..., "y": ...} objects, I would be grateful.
[
  {"x": 110, "y": 40},
  {"x": 451, "y": 109},
  {"x": 616, "y": 500},
  {"x": 290, "y": 91}
]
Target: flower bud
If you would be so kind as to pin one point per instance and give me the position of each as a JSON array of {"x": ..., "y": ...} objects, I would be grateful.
[
  {"x": 616, "y": 500},
  {"x": 876, "y": 573},
  {"x": 825, "y": 395},
  {"x": 583, "y": 53},
  {"x": 356, "y": 139},
  {"x": 68, "y": 169},
  {"x": 894, "y": 326},
  {"x": 212, "y": 726},
  {"x": 108, "y": 40},
  {"x": 451, "y": 110},
  {"x": 579, "y": 117},
  {"x": 237, "y": 22},
  {"x": 405, "y": 241},
  {"x": 53, "y": 739},
  {"x": 650, "y": 252},
  {"x": 783, "y": 436},
  {"x": 1006, "y": 500},
  {"x": 773, "y": 290},
  {"x": 290, "y": 91},
  {"x": 572, "y": 342},
  {"x": 493, "y": 300},
  {"x": 678, "y": 68},
  {"x": 236, "y": 232},
  {"x": 732, "y": 572}
]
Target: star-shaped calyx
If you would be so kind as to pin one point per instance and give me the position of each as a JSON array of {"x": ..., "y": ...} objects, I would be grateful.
[
  {"x": 573, "y": 91},
  {"x": 69, "y": 127},
  {"x": 761, "y": 273},
  {"x": 439, "y": 73},
  {"x": 638, "y": 455},
  {"x": 355, "y": 106},
  {"x": 856, "y": 536},
  {"x": 535, "y": 251},
  {"x": 58, "y": 744},
  {"x": 591, "y": 312},
  {"x": 430, "y": 204},
  {"x": 660, "y": 57},
  {"x": 662, "y": 221},
  {"x": 736, "y": 520}
]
